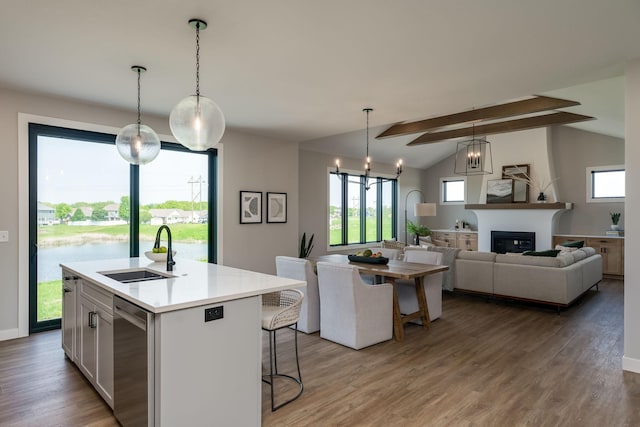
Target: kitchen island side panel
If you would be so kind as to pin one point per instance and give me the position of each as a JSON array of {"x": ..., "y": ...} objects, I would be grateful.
[{"x": 209, "y": 373}]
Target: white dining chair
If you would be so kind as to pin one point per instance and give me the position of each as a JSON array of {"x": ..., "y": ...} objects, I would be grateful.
[
  {"x": 432, "y": 284},
  {"x": 353, "y": 313},
  {"x": 302, "y": 269}
]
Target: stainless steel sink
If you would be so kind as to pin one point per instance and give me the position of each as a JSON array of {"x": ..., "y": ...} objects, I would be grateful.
[{"x": 137, "y": 275}]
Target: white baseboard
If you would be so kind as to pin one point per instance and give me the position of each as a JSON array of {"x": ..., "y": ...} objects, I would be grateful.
[
  {"x": 9, "y": 334},
  {"x": 631, "y": 365}
]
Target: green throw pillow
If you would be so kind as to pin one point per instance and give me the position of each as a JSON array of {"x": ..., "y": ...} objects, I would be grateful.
[
  {"x": 578, "y": 244},
  {"x": 548, "y": 253}
]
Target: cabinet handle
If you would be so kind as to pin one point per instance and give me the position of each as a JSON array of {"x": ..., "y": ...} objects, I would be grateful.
[{"x": 92, "y": 319}]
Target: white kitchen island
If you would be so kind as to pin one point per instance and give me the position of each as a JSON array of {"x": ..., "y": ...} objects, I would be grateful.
[{"x": 204, "y": 372}]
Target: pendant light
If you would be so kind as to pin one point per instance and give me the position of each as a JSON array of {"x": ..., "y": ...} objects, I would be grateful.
[
  {"x": 137, "y": 143},
  {"x": 367, "y": 164},
  {"x": 197, "y": 122},
  {"x": 473, "y": 156}
]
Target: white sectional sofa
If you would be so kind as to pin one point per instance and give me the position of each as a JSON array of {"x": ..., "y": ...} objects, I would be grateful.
[{"x": 556, "y": 280}]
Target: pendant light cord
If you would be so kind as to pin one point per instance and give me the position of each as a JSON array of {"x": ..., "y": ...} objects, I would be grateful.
[
  {"x": 198, "y": 59},
  {"x": 367, "y": 110},
  {"x": 139, "y": 122}
]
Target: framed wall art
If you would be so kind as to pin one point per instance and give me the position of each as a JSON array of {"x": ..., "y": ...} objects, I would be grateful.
[
  {"x": 519, "y": 174},
  {"x": 250, "y": 207},
  {"x": 500, "y": 191},
  {"x": 276, "y": 207}
]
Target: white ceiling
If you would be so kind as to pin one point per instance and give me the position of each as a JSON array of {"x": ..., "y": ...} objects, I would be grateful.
[{"x": 303, "y": 70}]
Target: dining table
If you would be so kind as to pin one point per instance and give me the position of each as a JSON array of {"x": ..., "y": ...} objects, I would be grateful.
[{"x": 391, "y": 271}]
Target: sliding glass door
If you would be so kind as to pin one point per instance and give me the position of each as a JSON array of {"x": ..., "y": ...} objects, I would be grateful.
[{"x": 87, "y": 203}]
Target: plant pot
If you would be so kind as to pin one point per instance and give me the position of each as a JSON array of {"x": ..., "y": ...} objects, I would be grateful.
[{"x": 615, "y": 227}]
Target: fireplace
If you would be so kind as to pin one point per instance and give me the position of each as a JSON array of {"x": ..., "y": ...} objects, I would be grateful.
[{"x": 512, "y": 241}]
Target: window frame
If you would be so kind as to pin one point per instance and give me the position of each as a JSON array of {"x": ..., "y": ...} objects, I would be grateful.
[
  {"x": 443, "y": 181},
  {"x": 589, "y": 183},
  {"x": 377, "y": 186}
]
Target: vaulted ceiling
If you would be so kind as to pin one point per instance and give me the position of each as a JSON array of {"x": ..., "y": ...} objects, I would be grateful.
[{"x": 303, "y": 71}]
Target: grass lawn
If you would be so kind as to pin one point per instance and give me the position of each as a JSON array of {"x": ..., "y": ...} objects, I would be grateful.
[
  {"x": 179, "y": 232},
  {"x": 50, "y": 300}
]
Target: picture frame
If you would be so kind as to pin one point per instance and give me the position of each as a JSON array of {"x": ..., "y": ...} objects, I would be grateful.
[
  {"x": 499, "y": 191},
  {"x": 250, "y": 207},
  {"x": 276, "y": 207},
  {"x": 520, "y": 188}
]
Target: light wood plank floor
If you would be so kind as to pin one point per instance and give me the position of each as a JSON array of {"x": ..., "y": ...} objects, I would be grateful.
[{"x": 484, "y": 363}]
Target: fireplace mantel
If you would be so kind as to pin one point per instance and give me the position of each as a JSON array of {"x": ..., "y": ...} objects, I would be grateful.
[
  {"x": 556, "y": 205},
  {"x": 538, "y": 218}
]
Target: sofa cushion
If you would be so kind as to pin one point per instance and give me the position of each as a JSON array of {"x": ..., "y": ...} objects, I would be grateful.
[
  {"x": 578, "y": 255},
  {"x": 578, "y": 244},
  {"x": 477, "y": 256},
  {"x": 547, "y": 253},
  {"x": 559, "y": 261},
  {"x": 588, "y": 250}
]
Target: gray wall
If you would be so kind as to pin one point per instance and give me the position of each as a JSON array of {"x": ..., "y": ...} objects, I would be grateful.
[
  {"x": 247, "y": 163},
  {"x": 573, "y": 151}
]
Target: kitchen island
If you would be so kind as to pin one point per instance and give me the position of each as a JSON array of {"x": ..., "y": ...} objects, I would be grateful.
[{"x": 203, "y": 345}]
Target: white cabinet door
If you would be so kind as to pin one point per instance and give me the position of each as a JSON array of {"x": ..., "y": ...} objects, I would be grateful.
[
  {"x": 104, "y": 354},
  {"x": 69, "y": 315},
  {"x": 87, "y": 333}
]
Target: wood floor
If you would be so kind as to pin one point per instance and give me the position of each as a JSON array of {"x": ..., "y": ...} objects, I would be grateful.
[{"x": 484, "y": 363}]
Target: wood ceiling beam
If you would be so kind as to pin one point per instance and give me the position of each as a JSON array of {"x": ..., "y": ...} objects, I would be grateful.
[
  {"x": 510, "y": 109},
  {"x": 558, "y": 118}
]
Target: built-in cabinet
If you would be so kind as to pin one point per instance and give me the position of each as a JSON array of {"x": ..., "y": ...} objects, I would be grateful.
[
  {"x": 463, "y": 239},
  {"x": 610, "y": 248},
  {"x": 87, "y": 331}
]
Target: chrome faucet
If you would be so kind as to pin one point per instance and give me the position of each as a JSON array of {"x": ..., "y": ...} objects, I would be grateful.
[{"x": 170, "y": 261}]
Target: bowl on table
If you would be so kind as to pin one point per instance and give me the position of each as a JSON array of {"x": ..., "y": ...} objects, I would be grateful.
[{"x": 158, "y": 256}]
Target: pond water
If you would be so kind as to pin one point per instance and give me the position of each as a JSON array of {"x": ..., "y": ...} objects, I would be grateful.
[{"x": 49, "y": 258}]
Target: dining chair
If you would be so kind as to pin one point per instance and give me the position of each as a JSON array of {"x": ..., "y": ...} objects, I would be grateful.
[
  {"x": 302, "y": 269},
  {"x": 353, "y": 313},
  {"x": 432, "y": 284},
  {"x": 281, "y": 310}
]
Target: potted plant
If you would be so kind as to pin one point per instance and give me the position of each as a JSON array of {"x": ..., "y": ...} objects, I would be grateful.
[
  {"x": 305, "y": 247},
  {"x": 418, "y": 230},
  {"x": 615, "y": 218}
]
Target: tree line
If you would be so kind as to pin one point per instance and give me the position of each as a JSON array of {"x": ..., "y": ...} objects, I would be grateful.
[{"x": 65, "y": 211}]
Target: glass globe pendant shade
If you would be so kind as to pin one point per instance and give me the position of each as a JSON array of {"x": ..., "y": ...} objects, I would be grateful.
[
  {"x": 197, "y": 122},
  {"x": 138, "y": 144}
]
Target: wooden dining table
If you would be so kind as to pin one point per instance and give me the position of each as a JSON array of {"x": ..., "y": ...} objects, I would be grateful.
[{"x": 392, "y": 271}]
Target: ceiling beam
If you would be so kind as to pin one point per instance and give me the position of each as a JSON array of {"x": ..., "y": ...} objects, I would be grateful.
[
  {"x": 558, "y": 118},
  {"x": 510, "y": 109}
]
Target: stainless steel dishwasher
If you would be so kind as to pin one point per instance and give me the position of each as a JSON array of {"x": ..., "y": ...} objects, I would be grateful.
[{"x": 133, "y": 364}]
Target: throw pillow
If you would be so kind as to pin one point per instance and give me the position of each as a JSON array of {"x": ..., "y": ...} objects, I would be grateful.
[
  {"x": 547, "y": 253},
  {"x": 578, "y": 244},
  {"x": 566, "y": 248}
]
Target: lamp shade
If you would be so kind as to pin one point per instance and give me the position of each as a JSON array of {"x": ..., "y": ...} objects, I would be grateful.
[
  {"x": 425, "y": 209},
  {"x": 197, "y": 122},
  {"x": 138, "y": 144}
]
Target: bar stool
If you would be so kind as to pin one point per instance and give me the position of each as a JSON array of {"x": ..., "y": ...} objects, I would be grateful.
[{"x": 281, "y": 310}]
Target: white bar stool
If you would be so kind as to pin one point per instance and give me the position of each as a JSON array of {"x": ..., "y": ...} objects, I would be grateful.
[{"x": 281, "y": 310}]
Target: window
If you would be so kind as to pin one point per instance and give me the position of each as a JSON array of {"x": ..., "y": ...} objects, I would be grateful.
[
  {"x": 357, "y": 215},
  {"x": 452, "y": 191},
  {"x": 605, "y": 184},
  {"x": 86, "y": 202}
]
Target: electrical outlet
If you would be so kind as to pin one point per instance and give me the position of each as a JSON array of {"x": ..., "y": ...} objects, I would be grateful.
[
  {"x": 213, "y": 313},
  {"x": 4, "y": 236}
]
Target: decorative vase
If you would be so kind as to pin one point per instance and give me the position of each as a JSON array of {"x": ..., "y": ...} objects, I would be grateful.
[{"x": 541, "y": 197}]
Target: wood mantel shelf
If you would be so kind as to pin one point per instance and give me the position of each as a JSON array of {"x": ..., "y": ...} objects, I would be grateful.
[{"x": 556, "y": 205}]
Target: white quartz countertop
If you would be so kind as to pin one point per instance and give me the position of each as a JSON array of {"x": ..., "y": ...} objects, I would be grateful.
[{"x": 193, "y": 283}]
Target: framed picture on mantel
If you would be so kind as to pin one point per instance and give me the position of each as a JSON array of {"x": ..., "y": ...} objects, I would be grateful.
[
  {"x": 499, "y": 191},
  {"x": 520, "y": 188}
]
